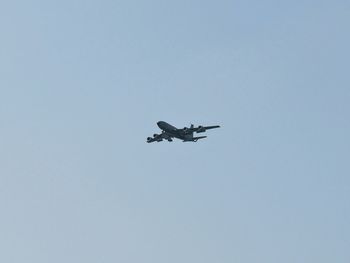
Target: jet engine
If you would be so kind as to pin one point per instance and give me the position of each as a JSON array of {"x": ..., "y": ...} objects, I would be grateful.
[
  {"x": 155, "y": 135},
  {"x": 200, "y": 129}
]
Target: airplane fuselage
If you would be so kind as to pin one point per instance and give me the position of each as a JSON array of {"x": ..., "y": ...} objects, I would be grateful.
[{"x": 175, "y": 132}]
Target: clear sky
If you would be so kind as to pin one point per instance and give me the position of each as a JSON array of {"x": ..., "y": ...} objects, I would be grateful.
[{"x": 83, "y": 83}]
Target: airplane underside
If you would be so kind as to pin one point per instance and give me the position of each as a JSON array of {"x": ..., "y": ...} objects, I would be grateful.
[{"x": 186, "y": 134}]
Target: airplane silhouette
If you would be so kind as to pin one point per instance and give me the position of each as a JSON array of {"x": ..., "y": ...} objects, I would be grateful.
[{"x": 186, "y": 134}]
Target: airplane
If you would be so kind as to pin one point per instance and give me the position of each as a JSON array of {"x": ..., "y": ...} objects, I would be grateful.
[{"x": 186, "y": 134}]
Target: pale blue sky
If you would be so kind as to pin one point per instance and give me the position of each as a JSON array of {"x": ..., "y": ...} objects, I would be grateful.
[{"x": 83, "y": 84}]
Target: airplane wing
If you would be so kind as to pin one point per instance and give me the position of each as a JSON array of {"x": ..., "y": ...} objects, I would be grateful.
[
  {"x": 198, "y": 138},
  {"x": 159, "y": 137},
  {"x": 211, "y": 127},
  {"x": 200, "y": 129},
  {"x": 155, "y": 138}
]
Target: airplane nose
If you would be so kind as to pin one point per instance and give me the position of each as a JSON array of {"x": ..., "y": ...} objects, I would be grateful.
[{"x": 159, "y": 123}]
